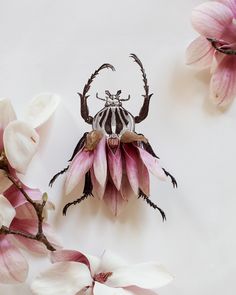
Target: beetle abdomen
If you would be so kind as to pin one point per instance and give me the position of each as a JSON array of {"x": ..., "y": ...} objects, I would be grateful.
[{"x": 113, "y": 120}]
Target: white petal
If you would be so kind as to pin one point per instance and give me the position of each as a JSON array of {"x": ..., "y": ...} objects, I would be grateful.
[
  {"x": 64, "y": 278},
  {"x": 7, "y": 113},
  {"x": 101, "y": 289},
  {"x": 144, "y": 275},
  {"x": 7, "y": 212},
  {"x": 110, "y": 261},
  {"x": 95, "y": 263},
  {"x": 5, "y": 183},
  {"x": 41, "y": 108},
  {"x": 20, "y": 143}
]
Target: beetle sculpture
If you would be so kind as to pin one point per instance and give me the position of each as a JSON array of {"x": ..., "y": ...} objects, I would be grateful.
[{"x": 113, "y": 160}]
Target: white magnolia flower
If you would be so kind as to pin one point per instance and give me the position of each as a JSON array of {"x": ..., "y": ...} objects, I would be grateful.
[
  {"x": 74, "y": 273},
  {"x": 18, "y": 138}
]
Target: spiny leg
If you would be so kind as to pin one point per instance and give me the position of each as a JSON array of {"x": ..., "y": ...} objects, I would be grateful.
[
  {"x": 145, "y": 107},
  {"x": 84, "y": 96},
  {"x": 173, "y": 180},
  {"x": 87, "y": 192},
  {"x": 56, "y": 175},
  {"x": 150, "y": 203}
]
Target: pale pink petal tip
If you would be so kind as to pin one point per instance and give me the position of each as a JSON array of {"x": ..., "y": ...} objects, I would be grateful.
[
  {"x": 200, "y": 53},
  {"x": 152, "y": 164},
  {"x": 13, "y": 265},
  {"x": 223, "y": 82},
  {"x": 78, "y": 168}
]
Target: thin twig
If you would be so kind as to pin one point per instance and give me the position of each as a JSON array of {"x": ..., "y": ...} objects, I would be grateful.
[{"x": 38, "y": 207}]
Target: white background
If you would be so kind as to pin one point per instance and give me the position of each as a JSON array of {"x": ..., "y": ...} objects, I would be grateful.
[{"x": 53, "y": 46}]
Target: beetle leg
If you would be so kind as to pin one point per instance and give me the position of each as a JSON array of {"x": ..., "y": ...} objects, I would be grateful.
[
  {"x": 150, "y": 203},
  {"x": 56, "y": 175},
  {"x": 173, "y": 180},
  {"x": 87, "y": 192},
  {"x": 145, "y": 107},
  {"x": 84, "y": 95}
]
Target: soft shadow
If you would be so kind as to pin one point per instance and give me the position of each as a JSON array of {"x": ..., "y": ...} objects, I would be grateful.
[{"x": 183, "y": 84}]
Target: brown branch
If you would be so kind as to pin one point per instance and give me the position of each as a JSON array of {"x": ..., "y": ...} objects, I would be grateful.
[{"x": 38, "y": 207}]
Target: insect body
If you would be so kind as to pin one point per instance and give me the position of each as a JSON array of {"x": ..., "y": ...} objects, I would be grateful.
[
  {"x": 113, "y": 119},
  {"x": 127, "y": 156}
]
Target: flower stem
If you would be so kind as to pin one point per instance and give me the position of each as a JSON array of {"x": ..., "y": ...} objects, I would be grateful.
[{"x": 38, "y": 207}]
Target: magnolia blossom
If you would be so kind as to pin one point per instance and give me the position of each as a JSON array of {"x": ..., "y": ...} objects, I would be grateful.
[
  {"x": 215, "y": 48},
  {"x": 18, "y": 215},
  {"x": 116, "y": 174},
  {"x": 18, "y": 139},
  {"x": 74, "y": 273}
]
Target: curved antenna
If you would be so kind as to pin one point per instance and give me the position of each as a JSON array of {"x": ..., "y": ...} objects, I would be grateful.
[
  {"x": 99, "y": 97},
  {"x": 145, "y": 107},
  {"x": 84, "y": 96},
  {"x": 125, "y": 99},
  {"x": 107, "y": 92}
]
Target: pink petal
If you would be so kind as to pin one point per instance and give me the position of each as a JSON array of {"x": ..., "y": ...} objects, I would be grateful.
[
  {"x": 17, "y": 199},
  {"x": 131, "y": 162},
  {"x": 115, "y": 166},
  {"x": 231, "y": 4},
  {"x": 100, "y": 162},
  {"x": 126, "y": 189},
  {"x": 31, "y": 226},
  {"x": 223, "y": 81},
  {"x": 152, "y": 164},
  {"x": 69, "y": 255},
  {"x": 26, "y": 211},
  {"x": 98, "y": 190},
  {"x": 211, "y": 18},
  {"x": 113, "y": 199},
  {"x": 200, "y": 53},
  {"x": 144, "y": 179},
  {"x": 13, "y": 265},
  {"x": 78, "y": 168}
]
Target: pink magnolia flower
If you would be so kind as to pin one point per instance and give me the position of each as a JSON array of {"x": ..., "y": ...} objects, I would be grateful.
[
  {"x": 114, "y": 174},
  {"x": 215, "y": 48},
  {"x": 18, "y": 139},
  {"x": 18, "y": 215},
  {"x": 74, "y": 273}
]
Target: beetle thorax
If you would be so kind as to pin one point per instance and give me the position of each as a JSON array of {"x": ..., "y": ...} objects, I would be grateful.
[{"x": 113, "y": 120}]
